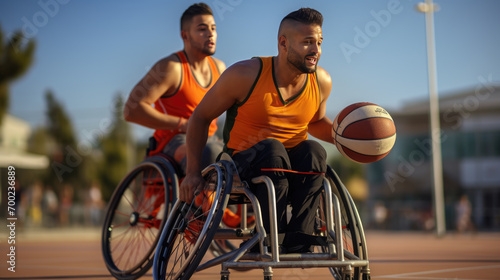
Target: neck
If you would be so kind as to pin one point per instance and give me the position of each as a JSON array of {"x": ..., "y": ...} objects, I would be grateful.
[
  {"x": 195, "y": 59},
  {"x": 287, "y": 74}
]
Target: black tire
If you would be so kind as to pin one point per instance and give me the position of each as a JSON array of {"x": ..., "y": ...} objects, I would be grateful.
[
  {"x": 190, "y": 228},
  {"x": 135, "y": 216}
]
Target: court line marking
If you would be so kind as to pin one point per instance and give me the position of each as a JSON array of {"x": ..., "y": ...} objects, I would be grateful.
[
  {"x": 408, "y": 275},
  {"x": 53, "y": 267}
]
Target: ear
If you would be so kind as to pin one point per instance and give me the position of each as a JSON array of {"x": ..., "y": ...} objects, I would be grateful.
[
  {"x": 282, "y": 42},
  {"x": 184, "y": 35}
]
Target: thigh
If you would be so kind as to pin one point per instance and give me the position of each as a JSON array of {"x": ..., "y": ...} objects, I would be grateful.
[
  {"x": 174, "y": 143},
  {"x": 308, "y": 156},
  {"x": 268, "y": 153},
  {"x": 211, "y": 151}
]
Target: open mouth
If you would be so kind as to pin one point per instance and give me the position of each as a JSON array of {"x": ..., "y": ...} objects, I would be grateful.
[{"x": 312, "y": 60}]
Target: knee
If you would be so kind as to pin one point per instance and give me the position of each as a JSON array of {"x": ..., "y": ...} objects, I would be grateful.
[
  {"x": 273, "y": 152},
  {"x": 268, "y": 153},
  {"x": 271, "y": 147},
  {"x": 211, "y": 152},
  {"x": 314, "y": 153}
]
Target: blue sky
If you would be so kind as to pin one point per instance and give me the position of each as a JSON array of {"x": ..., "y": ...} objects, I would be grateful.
[{"x": 89, "y": 51}]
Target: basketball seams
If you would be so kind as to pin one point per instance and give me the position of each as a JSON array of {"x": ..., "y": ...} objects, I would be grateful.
[
  {"x": 365, "y": 158},
  {"x": 382, "y": 145},
  {"x": 359, "y": 114},
  {"x": 371, "y": 135},
  {"x": 344, "y": 113},
  {"x": 357, "y": 132}
]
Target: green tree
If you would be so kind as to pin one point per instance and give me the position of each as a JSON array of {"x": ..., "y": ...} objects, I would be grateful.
[
  {"x": 353, "y": 177},
  {"x": 116, "y": 147},
  {"x": 40, "y": 142},
  {"x": 347, "y": 169},
  {"x": 59, "y": 124},
  {"x": 66, "y": 162},
  {"x": 16, "y": 57}
]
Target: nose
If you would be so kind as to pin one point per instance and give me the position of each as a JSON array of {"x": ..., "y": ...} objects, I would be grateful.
[
  {"x": 315, "y": 48},
  {"x": 211, "y": 33}
]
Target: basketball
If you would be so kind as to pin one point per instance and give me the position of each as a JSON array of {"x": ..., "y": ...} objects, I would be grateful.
[{"x": 364, "y": 132}]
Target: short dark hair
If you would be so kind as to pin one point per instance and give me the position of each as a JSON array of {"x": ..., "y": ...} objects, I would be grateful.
[
  {"x": 194, "y": 10},
  {"x": 306, "y": 16}
]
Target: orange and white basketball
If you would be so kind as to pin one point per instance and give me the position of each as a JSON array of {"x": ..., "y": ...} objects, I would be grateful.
[{"x": 364, "y": 132}]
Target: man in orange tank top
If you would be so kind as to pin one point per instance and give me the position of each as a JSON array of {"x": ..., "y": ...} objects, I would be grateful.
[
  {"x": 167, "y": 95},
  {"x": 272, "y": 104}
]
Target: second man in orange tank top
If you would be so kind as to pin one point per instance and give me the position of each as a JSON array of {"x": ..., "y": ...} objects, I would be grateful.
[{"x": 175, "y": 85}]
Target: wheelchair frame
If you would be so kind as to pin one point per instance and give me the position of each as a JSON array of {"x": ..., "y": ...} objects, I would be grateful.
[{"x": 342, "y": 263}]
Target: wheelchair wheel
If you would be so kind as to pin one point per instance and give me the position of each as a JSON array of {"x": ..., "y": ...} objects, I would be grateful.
[
  {"x": 351, "y": 233},
  {"x": 135, "y": 216},
  {"x": 191, "y": 227}
]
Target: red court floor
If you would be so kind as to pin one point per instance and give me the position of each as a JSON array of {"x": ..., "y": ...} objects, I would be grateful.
[{"x": 75, "y": 254}]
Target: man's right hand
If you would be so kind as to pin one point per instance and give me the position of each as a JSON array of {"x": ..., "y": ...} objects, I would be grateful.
[{"x": 190, "y": 184}]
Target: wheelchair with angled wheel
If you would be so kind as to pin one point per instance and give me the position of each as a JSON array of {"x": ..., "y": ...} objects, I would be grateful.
[
  {"x": 136, "y": 215},
  {"x": 193, "y": 228}
]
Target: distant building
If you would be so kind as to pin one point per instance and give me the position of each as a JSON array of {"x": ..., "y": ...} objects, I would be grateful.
[
  {"x": 470, "y": 135},
  {"x": 14, "y": 135}
]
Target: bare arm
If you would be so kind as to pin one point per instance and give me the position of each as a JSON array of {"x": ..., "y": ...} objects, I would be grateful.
[
  {"x": 232, "y": 87},
  {"x": 321, "y": 126},
  {"x": 162, "y": 78}
]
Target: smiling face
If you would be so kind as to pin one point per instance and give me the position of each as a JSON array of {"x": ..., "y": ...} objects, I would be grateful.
[
  {"x": 301, "y": 44},
  {"x": 201, "y": 34},
  {"x": 304, "y": 47}
]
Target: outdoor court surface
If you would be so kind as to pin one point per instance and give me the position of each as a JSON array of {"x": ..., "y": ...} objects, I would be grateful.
[{"x": 76, "y": 254}]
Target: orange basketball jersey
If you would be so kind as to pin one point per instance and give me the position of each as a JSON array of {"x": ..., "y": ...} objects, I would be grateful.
[
  {"x": 183, "y": 102},
  {"x": 264, "y": 114}
]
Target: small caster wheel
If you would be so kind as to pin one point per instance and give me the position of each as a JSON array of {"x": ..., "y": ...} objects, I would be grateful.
[
  {"x": 268, "y": 278},
  {"x": 224, "y": 275}
]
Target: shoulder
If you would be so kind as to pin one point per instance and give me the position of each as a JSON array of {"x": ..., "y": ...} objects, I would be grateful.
[
  {"x": 220, "y": 64},
  {"x": 324, "y": 77},
  {"x": 166, "y": 74},
  {"x": 246, "y": 68},
  {"x": 324, "y": 81},
  {"x": 170, "y": 61},
  {"x": 238, "y": 79}
]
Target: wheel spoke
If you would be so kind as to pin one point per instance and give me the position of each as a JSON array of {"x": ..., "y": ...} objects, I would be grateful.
[{"x": 135, "y": 217}]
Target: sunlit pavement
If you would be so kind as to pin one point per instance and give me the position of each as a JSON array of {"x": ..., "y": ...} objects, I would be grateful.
[{"x": 75, "y": 253}]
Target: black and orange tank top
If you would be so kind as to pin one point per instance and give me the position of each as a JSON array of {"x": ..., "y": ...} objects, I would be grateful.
[
  {"x": 264, "y": 114},
  {"x": 183, "y": 102}
]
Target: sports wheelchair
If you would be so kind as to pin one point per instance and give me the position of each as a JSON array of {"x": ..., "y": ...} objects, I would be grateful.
[
  {"x": 136, "y": 215},
  {"x": 191, "y": 229}
]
